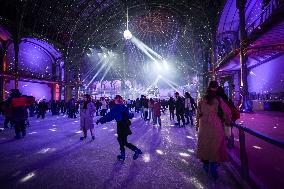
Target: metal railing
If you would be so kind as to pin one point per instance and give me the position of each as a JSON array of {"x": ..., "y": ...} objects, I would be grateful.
[
  {"x": 265, "y": 14},
  {"x": 244, "y": 167}
]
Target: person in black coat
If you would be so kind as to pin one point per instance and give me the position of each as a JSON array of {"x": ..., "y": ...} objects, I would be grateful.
[
  {"x": 19, "y": 107},
  {"x": 171, "y": 104},
  {"x": 179, "y": 109},
  {"x": 190, "y": 107},
  {"x": 121, "y": 114},
  {"x": 42, "y": 108}
]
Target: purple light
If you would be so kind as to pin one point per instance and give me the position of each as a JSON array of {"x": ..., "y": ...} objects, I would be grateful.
[{"x": 38, "y": 90}]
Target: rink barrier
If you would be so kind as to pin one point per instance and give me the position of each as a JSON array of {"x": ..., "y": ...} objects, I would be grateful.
[{"x": 244, "y": 166}]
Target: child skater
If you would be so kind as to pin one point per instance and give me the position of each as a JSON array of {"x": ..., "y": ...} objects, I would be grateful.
[
  {"x": 120, "y": 113},
  {"x": 86, "y": 117}
]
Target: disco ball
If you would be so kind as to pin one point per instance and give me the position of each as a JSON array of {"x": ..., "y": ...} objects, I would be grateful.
[{"x": 127, "y": 34}]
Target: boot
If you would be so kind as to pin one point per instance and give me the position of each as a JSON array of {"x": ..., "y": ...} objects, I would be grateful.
[
  {"x": 137, "y": 153},
  {"x": 93, "y": 137},
  {"x": 213, "y": 170},
  {"x": 206, "y": 167},
  {"x": 82, "y": 138},
  {"x": 121, "y": 157}
]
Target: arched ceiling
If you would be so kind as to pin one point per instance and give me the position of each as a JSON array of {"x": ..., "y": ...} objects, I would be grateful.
[
  {"x": 229, "y": 20},
  {"x": 177, "y": 30}
]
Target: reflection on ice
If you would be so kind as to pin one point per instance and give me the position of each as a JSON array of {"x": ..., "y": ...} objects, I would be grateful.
[
  {"x": 52, "y": 129},
  {"x": 184, "y": 154},
  {"x": 189, "y": 137},
  {"x": 196, "y": 183},
  {"x": 45, "y": 150},
  {"x": 190, "y": 150},
  {"x": 146, "y": 158},
  {"x": 257, "y": 147},
  {"x": 183, "y": 160},
  {"x": 28, "y": 176},
  {"x": 160, "y": 152},
  {"x": 78, "y": 132}
]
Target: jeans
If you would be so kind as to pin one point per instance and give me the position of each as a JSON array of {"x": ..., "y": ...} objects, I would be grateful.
[
  {"x": 172, "y": 114},
  {"x": 122, "y": 140},
  {"x": 145, "y": 114},
  {"x": 180, "y": 116},
  {"x": 188, "y": 114},
  {"x": 151, "y": 114},
  {"x": 142, "y": 112},
  {"x": 157, "y": 118}
]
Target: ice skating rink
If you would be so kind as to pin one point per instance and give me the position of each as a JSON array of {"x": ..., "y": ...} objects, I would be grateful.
[{"x": 52, "y": 156}]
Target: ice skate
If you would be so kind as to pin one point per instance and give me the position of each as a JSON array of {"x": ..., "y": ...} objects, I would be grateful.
[
  {"x": 121, "y": 157},
  {"x": 137, "y": 153}
]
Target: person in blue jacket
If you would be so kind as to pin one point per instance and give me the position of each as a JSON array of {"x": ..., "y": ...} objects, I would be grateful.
[{"x": 121, "y": 114}]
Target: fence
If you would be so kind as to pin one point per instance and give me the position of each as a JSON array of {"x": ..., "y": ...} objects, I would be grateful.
[{"x": 244, "y": 163}]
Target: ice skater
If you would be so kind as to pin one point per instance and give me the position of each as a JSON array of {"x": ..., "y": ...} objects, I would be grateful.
[
  {"x": 87, "y": 112},
  {"x": 121, "y": 114},
  {"x": 211, "y": 146}
]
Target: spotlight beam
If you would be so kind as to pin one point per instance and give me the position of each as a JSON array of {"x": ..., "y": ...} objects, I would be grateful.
[
  {"x": 167, "y": 82},
  {"x": 170, "y": 82},
  {"x": 101, "y": 68},
  {"x": 106, "y": 71},
  {"x": 140, "y": 45},
  {"x": 91, "y": 70}
]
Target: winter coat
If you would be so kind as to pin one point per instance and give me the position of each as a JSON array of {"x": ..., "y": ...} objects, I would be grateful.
[
  {"x": 180, "y": 105},
  {"x": 43, "y": 106},
  {"x": 119, "y": 112},
  {"x": 144, "y": 102},
  {"x": 171, "y": 104},
  {"x": 157, "y": 109},
  {"x": 19, "y": 107},
  {"x": 86, "y": 116},
  {"x": 211, "y": 137}
]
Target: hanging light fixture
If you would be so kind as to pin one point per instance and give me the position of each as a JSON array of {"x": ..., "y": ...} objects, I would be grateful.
[{"x": 127, "y": 34}]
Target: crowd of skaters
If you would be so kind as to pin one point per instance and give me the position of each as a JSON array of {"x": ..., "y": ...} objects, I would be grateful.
[{"x": 214, "y": 111}]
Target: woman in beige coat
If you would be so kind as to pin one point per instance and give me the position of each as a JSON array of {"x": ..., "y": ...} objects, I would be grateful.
[
  {"x": 86, "y": 117},
  {"x": 212, "y": 111}
]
